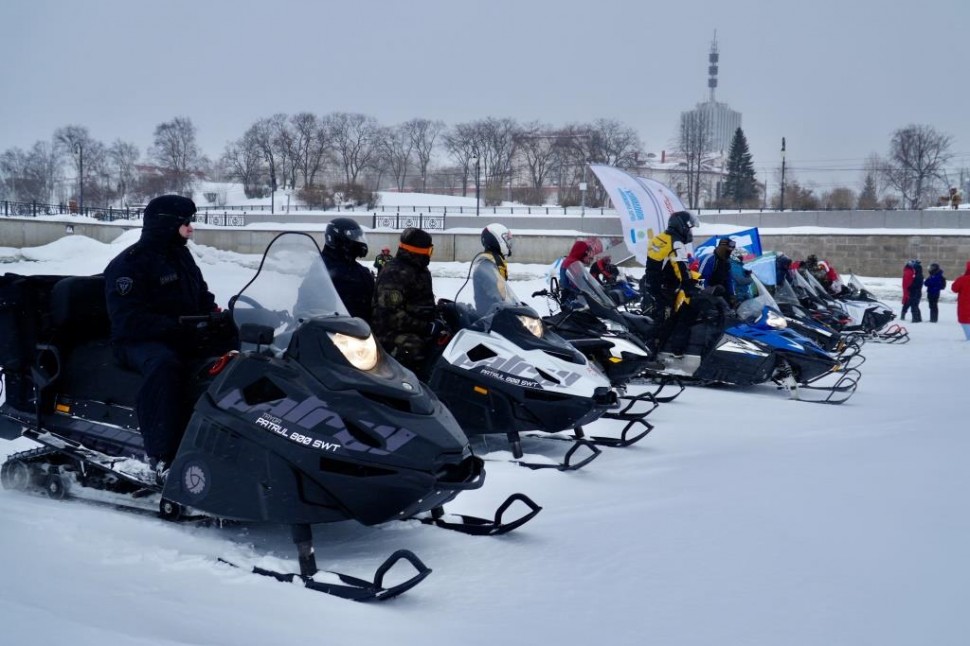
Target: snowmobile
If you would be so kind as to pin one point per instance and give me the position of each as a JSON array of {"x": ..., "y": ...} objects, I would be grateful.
[
  {"x": 845, "y": 345},
  {"x": 311, "y": 422},
  {"x": 621, "y": 356},
  {"x": 757, "y": 346},
  {"x": 504, "y": 372},
  {"x": 628, "y": 360},
  {"x": 856, "y": 312},
  {"x": 877, "y": 317},
  {"x": 749, "y": 347}
]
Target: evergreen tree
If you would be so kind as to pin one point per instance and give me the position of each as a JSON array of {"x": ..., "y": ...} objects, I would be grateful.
[
  {"x": 868, "y": 198},
  {"x": 740, "y": 186}
]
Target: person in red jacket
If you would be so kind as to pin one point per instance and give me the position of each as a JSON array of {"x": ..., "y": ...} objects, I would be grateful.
[
  {"x": 962, "y": 288},
  {"x": 912, "y": 289}
]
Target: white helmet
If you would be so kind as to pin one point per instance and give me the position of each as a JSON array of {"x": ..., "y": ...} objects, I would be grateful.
[{"x": 497, "y": 238}]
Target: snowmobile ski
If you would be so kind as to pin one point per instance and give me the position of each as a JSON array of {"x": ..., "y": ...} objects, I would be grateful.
[
  {"x": 838, "y": 393},
  {"x": 343, "y": 585},
  {"x": 482, "y": 526},
  {"x": 580, "y": 453},
  {"x": 661, "y": 382},
  {"x": 894, "y": 333}
]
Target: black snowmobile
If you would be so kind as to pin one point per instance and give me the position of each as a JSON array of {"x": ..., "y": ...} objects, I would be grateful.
[
  {"x": 846, "y": 345},
  {"x": 616, "y": 339},
  {"x": 504, "y": 372},
  {"x": 310, "y": 423}
]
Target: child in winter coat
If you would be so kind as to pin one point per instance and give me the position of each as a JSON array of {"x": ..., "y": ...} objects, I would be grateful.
[
  {"x": 962, "y": 288},
  {"x": 934, "y": 283}
]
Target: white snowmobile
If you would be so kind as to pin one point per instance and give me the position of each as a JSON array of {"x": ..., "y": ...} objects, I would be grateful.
[{"x": 504, "y": 372}]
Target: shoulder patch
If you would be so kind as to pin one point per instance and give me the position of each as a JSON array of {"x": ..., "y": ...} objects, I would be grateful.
[{"x": 124, "y": 285}]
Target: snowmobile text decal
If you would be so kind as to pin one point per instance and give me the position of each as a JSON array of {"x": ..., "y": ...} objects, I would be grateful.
[
  {"x": 514, "y": 370},
  {"x": 275, "y": 424},
  {"x": 310, "y": 414}
]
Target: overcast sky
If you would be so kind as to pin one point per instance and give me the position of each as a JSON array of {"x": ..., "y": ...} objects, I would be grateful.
[{"x": 835, "y": 78}]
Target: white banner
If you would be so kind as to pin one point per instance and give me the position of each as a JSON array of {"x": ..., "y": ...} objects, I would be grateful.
[{"x": 642, "y": 204}]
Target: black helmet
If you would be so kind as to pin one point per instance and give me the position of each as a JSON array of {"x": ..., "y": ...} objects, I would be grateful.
[
  {"x": 498, "y": 239},
  {"x": 344, "y": 237},
  {"x": 812, "y": 260},
  {"x": 679, "y": 226}
]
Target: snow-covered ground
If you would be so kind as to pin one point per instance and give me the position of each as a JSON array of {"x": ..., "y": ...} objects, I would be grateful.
[{"x": 743, "y": 518}]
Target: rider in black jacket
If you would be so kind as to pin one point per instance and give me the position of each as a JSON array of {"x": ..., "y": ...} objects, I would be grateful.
[
  {"x": 148, "y": 286},
  {"x": 344, "y": 243}
]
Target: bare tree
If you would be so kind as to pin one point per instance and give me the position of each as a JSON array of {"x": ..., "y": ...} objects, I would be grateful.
[
  {"x": 693, "y": 144},
  {"x": 244, "y": 163},
  {"x": 614, "y": 144},
  {"x": 176, "y": 150},
  {"x": 353, "y": 137},
  {"x": 494, "y": 143},
  {"x": 310, "y": 146},
  {"x": 423, "y": 133},
  {"x": 840, "y": 197},
  {"x": 123, "y": 156},
  {"x": 461, "y": 143},
  {"x": 268, "y": 138},
  {"x": 285, "y": 141},
  {"x": 75, "y": 145},
  {"x": 537, "y": 150},
  {"x": 917, "y": 156},
  {"x": 396, "y": 152},
  {"x": 29, "y": 176}
]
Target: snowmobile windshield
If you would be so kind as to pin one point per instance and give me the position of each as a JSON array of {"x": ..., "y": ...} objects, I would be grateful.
[
  {"x": 589, "y": 286},
  {"x": 751, "y": 308},
  {"x": 816, "y": 286},
  {"x": 855, "y": 284},
  {"x": 804, "y": 287},
  {"x": 785, "y": 294},
  {"x": 489, "y": 291},
  {"x": 291, "y": 286}
]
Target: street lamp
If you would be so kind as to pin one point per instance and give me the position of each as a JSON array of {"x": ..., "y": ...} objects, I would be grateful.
[
  {"x": 79, "y": 150},
  {"x": 582, "y": 188},
  {"x": 478, "y": 183},
  {"x": 782, "y": 174}
]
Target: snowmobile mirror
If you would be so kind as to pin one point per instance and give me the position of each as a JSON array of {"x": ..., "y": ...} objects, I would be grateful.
[{"x": 256, "y": 334}]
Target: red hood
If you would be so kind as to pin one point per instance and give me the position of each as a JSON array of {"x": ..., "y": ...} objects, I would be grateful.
[{"x": 578, "y": 252}]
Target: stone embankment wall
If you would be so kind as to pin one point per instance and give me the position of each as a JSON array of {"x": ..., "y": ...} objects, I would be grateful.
[{"x": 867, "y": 254}]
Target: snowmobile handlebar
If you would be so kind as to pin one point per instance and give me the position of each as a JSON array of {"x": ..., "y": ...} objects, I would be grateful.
[{"x": 211, "y": 318}]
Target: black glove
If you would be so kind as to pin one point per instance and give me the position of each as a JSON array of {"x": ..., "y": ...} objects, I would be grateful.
[{"x": 438, "y": 332}]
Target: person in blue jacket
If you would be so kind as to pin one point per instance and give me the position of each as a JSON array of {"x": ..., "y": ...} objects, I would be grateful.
[
  {"x": 935, "y": 282},
  {"x": 148, "y": 287}
]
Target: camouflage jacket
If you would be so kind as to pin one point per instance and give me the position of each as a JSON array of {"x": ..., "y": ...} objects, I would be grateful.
[{"x": 404, "y": 308}]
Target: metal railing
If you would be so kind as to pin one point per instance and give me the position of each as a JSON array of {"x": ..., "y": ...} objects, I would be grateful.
[
  {"x": 100, "y": 213},
  {"x": 427, "y": 221},
  {"x": 108, "y": 214}
]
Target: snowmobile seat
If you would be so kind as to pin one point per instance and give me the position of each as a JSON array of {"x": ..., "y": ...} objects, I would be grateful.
[{"x": 89, "y": 369}]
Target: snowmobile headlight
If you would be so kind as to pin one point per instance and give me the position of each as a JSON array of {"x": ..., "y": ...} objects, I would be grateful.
[
  {"x": 532, "y": 324},
  {"x": 361, "y": 353},
  {"x": 776, "y": 321}
]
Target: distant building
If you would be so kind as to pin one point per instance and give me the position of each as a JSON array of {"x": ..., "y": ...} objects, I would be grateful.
[{"x": 723, "y": 121}]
